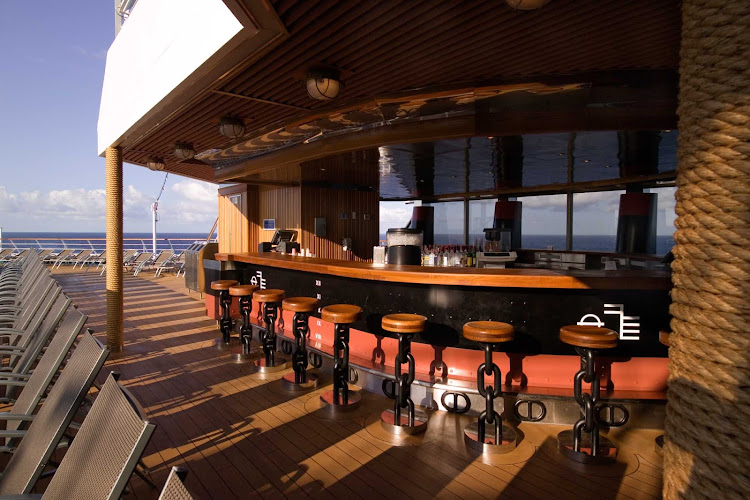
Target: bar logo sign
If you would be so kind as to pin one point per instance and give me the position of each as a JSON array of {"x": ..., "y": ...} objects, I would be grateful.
[{"x": 630, "y": 326}]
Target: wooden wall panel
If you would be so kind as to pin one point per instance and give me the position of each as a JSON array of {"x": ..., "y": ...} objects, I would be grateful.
[
  {"x": 331, "y": 203},
  {"x": 238, "y": 215},
  {"x": 281, "y": 204}
]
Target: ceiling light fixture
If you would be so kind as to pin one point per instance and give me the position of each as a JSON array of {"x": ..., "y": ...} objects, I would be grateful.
[
  {"x": 184, "y": 150},
  {"x": 527, "y": 4},
  {"x": 155, "y": 163},
  {"x": 231, "y": 127},
  {"x": 323, "y": 84}
]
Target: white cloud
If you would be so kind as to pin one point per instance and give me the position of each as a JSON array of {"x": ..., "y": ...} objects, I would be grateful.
[
  {"x": 188, "y": 202},
  {"x": 197, "y": 191}
]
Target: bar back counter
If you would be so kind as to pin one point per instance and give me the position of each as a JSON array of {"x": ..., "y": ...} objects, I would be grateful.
[{"x": 537, "y": 366}]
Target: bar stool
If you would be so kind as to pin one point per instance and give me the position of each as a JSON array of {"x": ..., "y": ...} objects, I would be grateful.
[
  {"x": 342, "y": 316},
  {"x": 591, "y": 448},
  {"x": 659, "y": 441},
  {"x": 503, "y": 440},
  {"x": 270, "y": 301},
  {"x": 415, "y": 421},
  {"x": 243, "y": 353},
  {"x": 300, "y": 379},
  {"x": 225, "y": 321}
]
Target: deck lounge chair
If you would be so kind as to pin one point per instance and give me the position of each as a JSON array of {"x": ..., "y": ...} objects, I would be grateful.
[
  {"x": 137, "y": 261},
  {"x": 19, "y": 359},
  {"x": 35, "y": 385},
  {"x": 174, "y": 488},
  {"x": 95, "y": 465},
  {"x": 5, "y": 255},
  {"x": 15, "y": 321},
  {"x": 81, "y": 258},
  {"x": 67, "y": 259},
  {"x": 39, "y": 442},
  {"x": 154, "y": 261},
  {"x": 174, "y": 263}
]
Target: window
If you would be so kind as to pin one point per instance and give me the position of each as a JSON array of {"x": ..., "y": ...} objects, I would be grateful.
[
  {"x": 543, "y": 221},
  {"x": 481, "y": 215},
  {"x": 449, "y": 223},
  {"x": 595, "y": 220},
  {"x": 395, "y": 214},
  {"x": 665, "y": 217}
]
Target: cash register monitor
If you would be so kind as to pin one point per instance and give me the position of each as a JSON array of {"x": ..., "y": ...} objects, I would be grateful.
[{"x": 286, "y": 235}]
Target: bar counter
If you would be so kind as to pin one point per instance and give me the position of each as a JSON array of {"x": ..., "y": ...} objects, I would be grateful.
[
  {"x": 461, "y": 276},
  {"x": 537, "y": 302}
]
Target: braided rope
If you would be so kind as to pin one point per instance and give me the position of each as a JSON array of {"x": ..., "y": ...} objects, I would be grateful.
[
  {"x": 114, "y": 249},
  {"x": 707, "y": 435}
]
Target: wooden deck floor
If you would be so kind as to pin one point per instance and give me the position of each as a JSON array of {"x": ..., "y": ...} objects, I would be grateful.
[{"x": 241, "y": 436}]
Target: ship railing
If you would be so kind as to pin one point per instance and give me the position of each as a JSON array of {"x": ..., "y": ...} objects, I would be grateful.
[{"x": 98, "y": 245}]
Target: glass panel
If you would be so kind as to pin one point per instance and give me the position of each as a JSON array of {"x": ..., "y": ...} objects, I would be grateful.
[
  {"x": 595, "y": 220},
  {"x": 595, "y": 156},
  {"x": 449, "y": 223},
  {"x": 545, "y": 159},
  {"x": 395, "y": 214},
  {"x": 668, "y": 151},
  {"x": 481, "y": 215},
  {"x": 543, "y": 221},
  {"x": 665, "y": 217}
]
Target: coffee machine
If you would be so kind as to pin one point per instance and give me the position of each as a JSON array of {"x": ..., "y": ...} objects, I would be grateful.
[{"x": 503, "y": 238}]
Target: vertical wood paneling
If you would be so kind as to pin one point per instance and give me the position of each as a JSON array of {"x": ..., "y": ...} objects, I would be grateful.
[
  {"x": 281, "y": 204},
  {"x": 342, "y": 184},
  {"x": 237, "y": 222}
]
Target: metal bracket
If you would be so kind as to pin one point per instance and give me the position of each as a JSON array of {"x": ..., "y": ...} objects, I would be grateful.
[
  {"x": 610, "y": 421},
  {"x": 530, "y": 404},
  {"x": 454, "y": 407}
]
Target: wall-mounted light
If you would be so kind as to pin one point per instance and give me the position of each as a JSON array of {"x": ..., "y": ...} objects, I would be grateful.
[
  {"x": 184, "y": 150},
  {"x": 155, "y": 163},
  {"x": 323, "y": 84},
  {"x": 232, "y": 128},
  {"x": 527, "y": 4}
]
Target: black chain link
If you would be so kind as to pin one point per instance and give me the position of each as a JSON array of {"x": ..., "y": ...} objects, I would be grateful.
[
  {"x": 225, "y": 323},
  {"x": 587, "y": 401},
  {"x": 489, "y": 393},
  {"x": 246, "y": 330},
  {"x": 299, "y": 357},
  {"x": 270, "y": 313},
  {"x": 403, "y": 383},
  {"x": 341, "y": 364}
]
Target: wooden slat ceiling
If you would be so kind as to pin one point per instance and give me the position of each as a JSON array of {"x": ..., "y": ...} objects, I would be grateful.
[{"x": 391, "y": 46}]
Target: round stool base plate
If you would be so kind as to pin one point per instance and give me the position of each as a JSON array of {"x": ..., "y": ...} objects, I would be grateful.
[
  {"x": 508, "y": 444},
  {"x": 659, "y": 445},
  {"x": 278, "y": 365},
  {"x": 288, "y": 383},
  {"x": 327, "y": 399},
  {"x": 225, "y": 346},
  {"x": 388, "y": 422},
  {"x": 607, "y": 452}
]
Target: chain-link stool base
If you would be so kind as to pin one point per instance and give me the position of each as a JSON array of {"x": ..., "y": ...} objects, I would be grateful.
[
  {"x": 288, "y": 383},
  {"x": 388, "y": 422},
  {"x": 327, "y": 399},
  {"x": 607, "y": 452},
  {"x": 509, "y": 439},
  {"x": 224, "y": 342}
]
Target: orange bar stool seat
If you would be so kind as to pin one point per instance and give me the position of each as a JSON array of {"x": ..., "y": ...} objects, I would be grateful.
[
  {"x": 502, "y": 439},
  {"x": 300, "y": 379},
  {"x": 270, "y": 301},
  {"x": 584, "y": 443},
  {"x": 225, "y": 321},
  {"x": 341, "y": 398},
  {"x": 244, "y": 293},
  {"x": 395, "y": 421}
]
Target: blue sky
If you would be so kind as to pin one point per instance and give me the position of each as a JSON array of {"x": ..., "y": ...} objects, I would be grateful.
[{"x": 51, "y": 178}]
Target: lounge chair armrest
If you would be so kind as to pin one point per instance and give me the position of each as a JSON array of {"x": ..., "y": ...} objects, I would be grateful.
[
  {"x": 15, "y": 416},
  {"x": 15, "y": 308},
  {"x": 23, "y": 376},
  {"x": 11, "y": 350},
  {"x": 12, "y": 383},
  {"x": 11, "y": 331}
]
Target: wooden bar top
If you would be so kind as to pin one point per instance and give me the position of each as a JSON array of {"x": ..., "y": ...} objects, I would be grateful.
[{"x": 462, "y": 276}]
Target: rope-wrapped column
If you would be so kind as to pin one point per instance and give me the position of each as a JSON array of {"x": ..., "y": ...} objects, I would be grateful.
[
  {"x": 707, "y": 435},
  {"x": 114, "y": 249}
]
